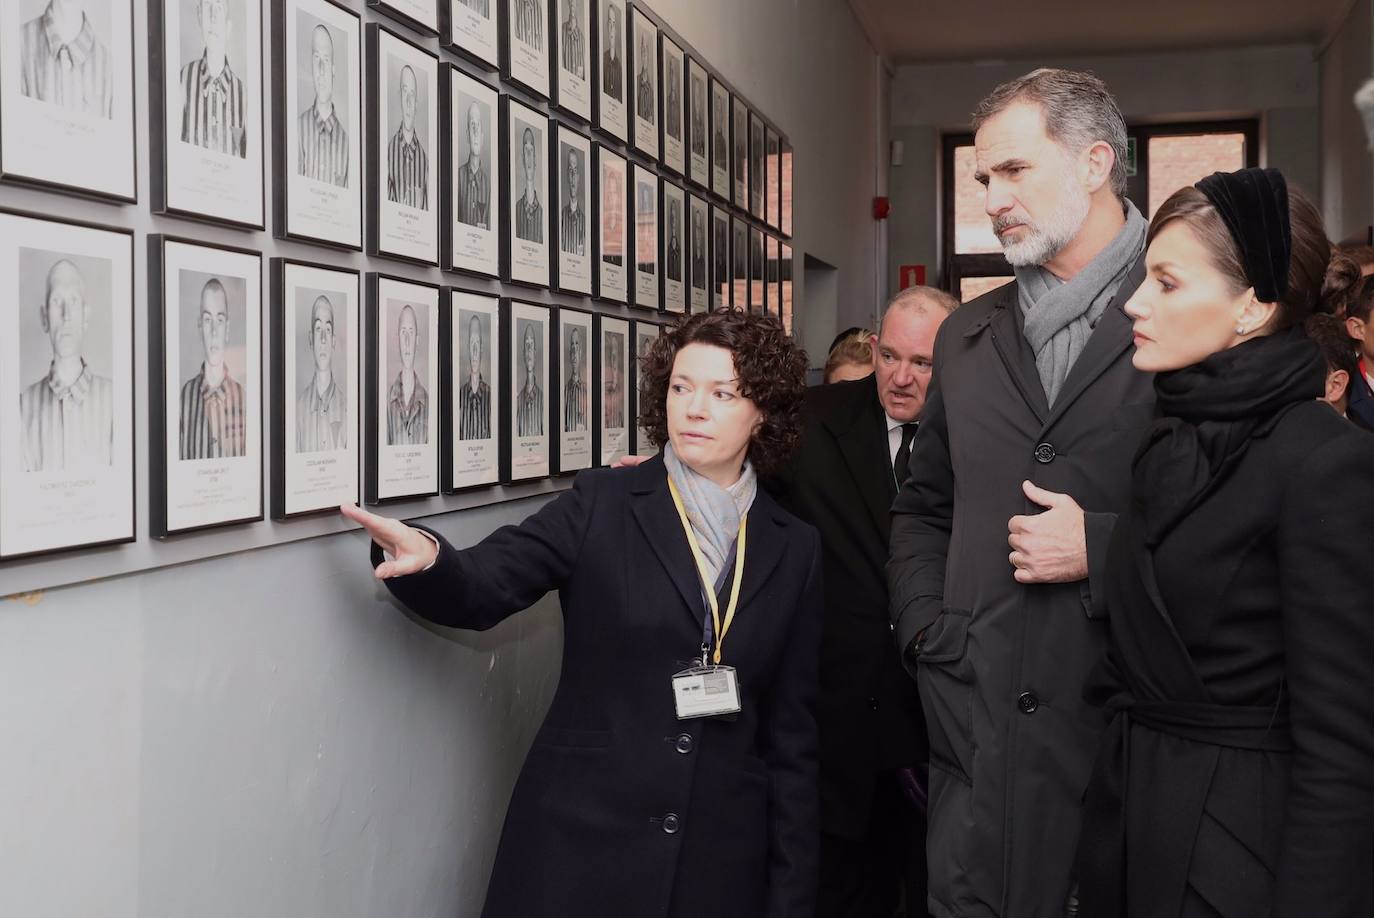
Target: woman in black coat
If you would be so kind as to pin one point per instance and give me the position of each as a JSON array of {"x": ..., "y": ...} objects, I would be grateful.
[
  {"x": 622, "y": 808},
  {"x": 1237, "y": 776}
]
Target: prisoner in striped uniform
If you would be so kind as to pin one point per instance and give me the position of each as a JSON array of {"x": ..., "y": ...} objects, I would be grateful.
[
  {"x": 529, "y": 23},
  {"x": 407, "y": 406},
  {"x": 572, "y": 43},
  {"x": 474, "y": 182},
  {"x": 613, "y": 394},
  {"x": 63, "y": 63},
  {"x": 480, "y": 7},
  {"x": 213, "y": 109},
  {"x": 68, "y": 415},
  {"x": 529, "y": 213},
  {"x": 321, "y": 409},
  {"x": 575, "y": 396},
  {"x": 474, "y": 397},
  {"x": 572, "y": 221},
  {"x": 529, "y": 403},
  {"x": 213, "y": 408},
  {"x": 407, "y": 166},
  {"x": 323, "y": 140}
]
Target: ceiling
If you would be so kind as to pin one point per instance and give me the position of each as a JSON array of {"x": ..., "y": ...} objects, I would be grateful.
[{"x": 917, "y": 31}]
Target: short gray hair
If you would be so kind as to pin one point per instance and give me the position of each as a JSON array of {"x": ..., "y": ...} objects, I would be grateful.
[{"x": 1079, "y": 112}]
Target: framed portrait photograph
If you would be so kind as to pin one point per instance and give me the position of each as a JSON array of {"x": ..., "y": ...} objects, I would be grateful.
[
  {"x": 420, "y": 15},
  {"x": 739, "y": 261},
  {"x": 402, "y": 427},
  {"x": 525, "y": 249},
  {"x": 772, "y": 291},
  {"x": 469, "y": 27},
  {"x": 644, "y": 247},
  {"x": 67, "y": 96},
  {"x": 720, "y": 139},
  {"x": 785, "y": 285},
  {"x": 526, "y": 452},
  {"x": 316, "y": 432},
  {"x": 471, "y": 237},
  {"x": 756, "y": 159},
  {"x": 739, "y": 136},
  {"x": 572, "y": 351},
  {"x": 644, "y": 62},
  {"x": 66, "y": 386},
  {"x": 612, "y": 238},
  {"x": 698, "y": 125},
  {"x": 610, "y": 111},
  {"x": 645, "y": 333},
  {"x": 205, "y": 329},
  {"x": 672, "y": 81},
  {"x": 611, "y": 357},
  {"x": 317, "y": 63},
  {"x": 471, "y": 376},
  {"x": 756, "y": 278},
  {"x": 573, "y": 53},
  {"x": 674, "y": 209},
  {"x": 525, "y": 44},
  {"x": 207, "y": 120},
  {"x": 772, "y": 204},
  {"x": 722, "y": 286},
  {"x": 402, "y": 153},
  {"x": 785, "y": 185},
  {"x": 572, "y": 194},
  {"x": 698, "y": 258}
]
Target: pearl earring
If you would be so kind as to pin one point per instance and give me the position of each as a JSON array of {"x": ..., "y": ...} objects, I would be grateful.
[{"x": 1240, "y": 330}]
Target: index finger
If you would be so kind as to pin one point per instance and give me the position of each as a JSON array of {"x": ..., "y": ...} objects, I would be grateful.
[{"x": 379, "y": 527}]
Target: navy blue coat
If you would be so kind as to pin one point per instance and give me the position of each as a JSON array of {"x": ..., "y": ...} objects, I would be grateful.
[{"x": 621, "y": 809}]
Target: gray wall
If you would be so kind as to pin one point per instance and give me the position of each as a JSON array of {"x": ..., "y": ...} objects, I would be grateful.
[
  {"x": 1279, "y": 84},
  {"x": 264, "y": 732},
  {"x": 1347, "y": 192}
]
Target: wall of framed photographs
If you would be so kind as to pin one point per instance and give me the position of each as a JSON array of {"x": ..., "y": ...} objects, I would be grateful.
[{"x": 361, "y": 227}]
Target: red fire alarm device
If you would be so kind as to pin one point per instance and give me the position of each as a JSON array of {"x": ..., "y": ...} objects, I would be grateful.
[
  {"x": 881, "y": 208},
  {"x": 911, "y": 276}
]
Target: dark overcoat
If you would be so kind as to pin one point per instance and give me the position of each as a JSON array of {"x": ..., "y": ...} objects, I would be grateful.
[
  {"x": 1002, "y": 666},
  {"x": 622, "y": 809}
]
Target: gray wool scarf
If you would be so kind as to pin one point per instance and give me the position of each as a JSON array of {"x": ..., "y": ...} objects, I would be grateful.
[
  {"x": 713, "y": 511},
  {"x": 1060, "y": 315}
]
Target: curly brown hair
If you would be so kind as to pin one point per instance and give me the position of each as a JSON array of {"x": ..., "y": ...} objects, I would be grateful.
[{"x": 771, "y": 369}]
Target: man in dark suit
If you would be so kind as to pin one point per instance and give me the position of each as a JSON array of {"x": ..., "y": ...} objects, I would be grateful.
[{"x": 842, "y": 480}]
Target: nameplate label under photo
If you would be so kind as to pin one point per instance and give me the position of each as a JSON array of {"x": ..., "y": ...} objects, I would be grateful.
[{"x": 706, "y": 691}]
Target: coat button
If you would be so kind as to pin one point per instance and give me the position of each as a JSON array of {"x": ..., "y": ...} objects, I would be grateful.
[
  {"x": 873, "y": 704},
  {"x": 684, "y": 743},
  {"x": 670, "y": 824},
  {"x": 1044, "y": 453},
  {"x": 1027, "y": 703}
]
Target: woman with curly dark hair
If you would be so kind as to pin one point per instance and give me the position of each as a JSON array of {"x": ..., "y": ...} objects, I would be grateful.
[{"x": 675, "y": 773}]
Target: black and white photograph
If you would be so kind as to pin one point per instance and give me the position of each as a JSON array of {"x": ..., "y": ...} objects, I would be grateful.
[
  {"x": 402, "y": 456},
  {"x": 572, "y": 194},
  {"x": 756, "y": 278},
  {"x": 785, "y": 285},
  {"x": 739, "y": 260},
  {"x": 785, "y": 186},
  {"x": 420, "y": 15},
  {"x": 472, "y": 228},
  {"x": 644, "y": 218},
  {"x": 772, "y": 184},
  {"x": 573, "y": 54},
  {"x": 698, "y": 125},
  {"x": 472, "y": 456},
  {"x": 673, "y": 239},
  {"x": 673, "y": 79},
  {"x": 207, "y": 121},
  {"x": 644, "y": 73},
  {"x": 698, "y": 256},
  {"x": 611, "y": 76},
  {"x": 67, "y": 91},
  {"x": 525, "y": 253},
  {"x": 644, "y": 334},
  {"x": 66, "y": 386},
  {"x": 316, "y": 433},
  {"x": 573, "y": 346},
  {"x": 772, "y": 291},
  {"x": 205, "y": 322},
  {"x": 739, "y": 137},
  {"x": 403, "y": 99},
  {"x": 527, "y": 454},
  {"x": 612, "y": 405},
  {"x": 470, "y": 28},
  {"x": 721, "y": 277},
  {"x": 756, "y": 159},
  {"x": 317, "y": 62},
  {"x": 720, "y": 139},
  {"x": 612, "y": 238},
  {"x": 525, "y": 44}
]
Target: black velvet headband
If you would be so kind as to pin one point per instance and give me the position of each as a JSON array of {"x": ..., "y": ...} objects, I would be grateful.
[{"x": 1254, "y": 205}]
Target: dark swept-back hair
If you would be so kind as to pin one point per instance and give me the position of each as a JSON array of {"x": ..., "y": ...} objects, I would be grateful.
[{"x": 769, "y": 366}]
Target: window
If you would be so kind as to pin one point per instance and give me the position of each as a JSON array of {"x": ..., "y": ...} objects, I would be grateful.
[{"x": 1163, "y": 159}]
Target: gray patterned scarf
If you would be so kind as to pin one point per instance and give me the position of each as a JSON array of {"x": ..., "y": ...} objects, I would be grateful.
[
  {"x": 1060, "y": 315},
  {"x": 713, "y": 511}
]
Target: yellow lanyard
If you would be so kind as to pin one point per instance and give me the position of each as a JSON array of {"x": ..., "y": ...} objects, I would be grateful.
[{"x": 720, "y": 630}]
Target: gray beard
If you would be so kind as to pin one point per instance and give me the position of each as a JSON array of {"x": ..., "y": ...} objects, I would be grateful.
[{"x": 1043, "y": 241}]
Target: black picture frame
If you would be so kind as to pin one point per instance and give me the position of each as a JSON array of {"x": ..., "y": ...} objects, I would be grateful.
[
  {"x": 785, "y": 298},
  {"x": 556, "y": 387},
  {"x": 739, "y": 263},
  {"x": 600, "y": 290},
  {"x": 698, "y": 164},
  {"x": 756, "y": 268},
  {"x": 772, "y": 288},
  {"x": 451, "y": 75},
  {"x": 560, "y": 94},
  {"x": 450, "y": 365},
  {"x": 509, "y": 306},
  {"x": 673, "y": 296},
  {"x": 785, "y": 186},
  {"x": 509, "y": 273},
  {"x": 602, "y": 118},
  {"x": 721, "y": 279},
  {"x": 672, "y": 150},
  {"x": 394, "y": 12},
  {"x": 452, "y": 37},
  {"x": 157, "y": 376},
  {"x": 720, "y": 150},
  {"x": 772, "y": 162},
  {"x": 644, "y": 133},
  {"x": 506, "y": 37},
  {"x": 757, "y": 160},
  {"x": 599, "y": 331},
  {"x": 739, "y": 153},
  {"x": 643, "y": 297},
  {"x": 697, "y": 254},
  {"x": 561, "y": 280},
  {"x": 639, "y": 444}
]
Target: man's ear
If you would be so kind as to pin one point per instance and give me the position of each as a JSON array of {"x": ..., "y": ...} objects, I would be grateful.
[
  {"x": 1098, "y": 161},
  {"x": 1337, "y": 382}
]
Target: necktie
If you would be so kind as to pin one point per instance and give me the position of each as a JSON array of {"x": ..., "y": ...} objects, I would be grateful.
[{"x": 899, "y": 464}]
